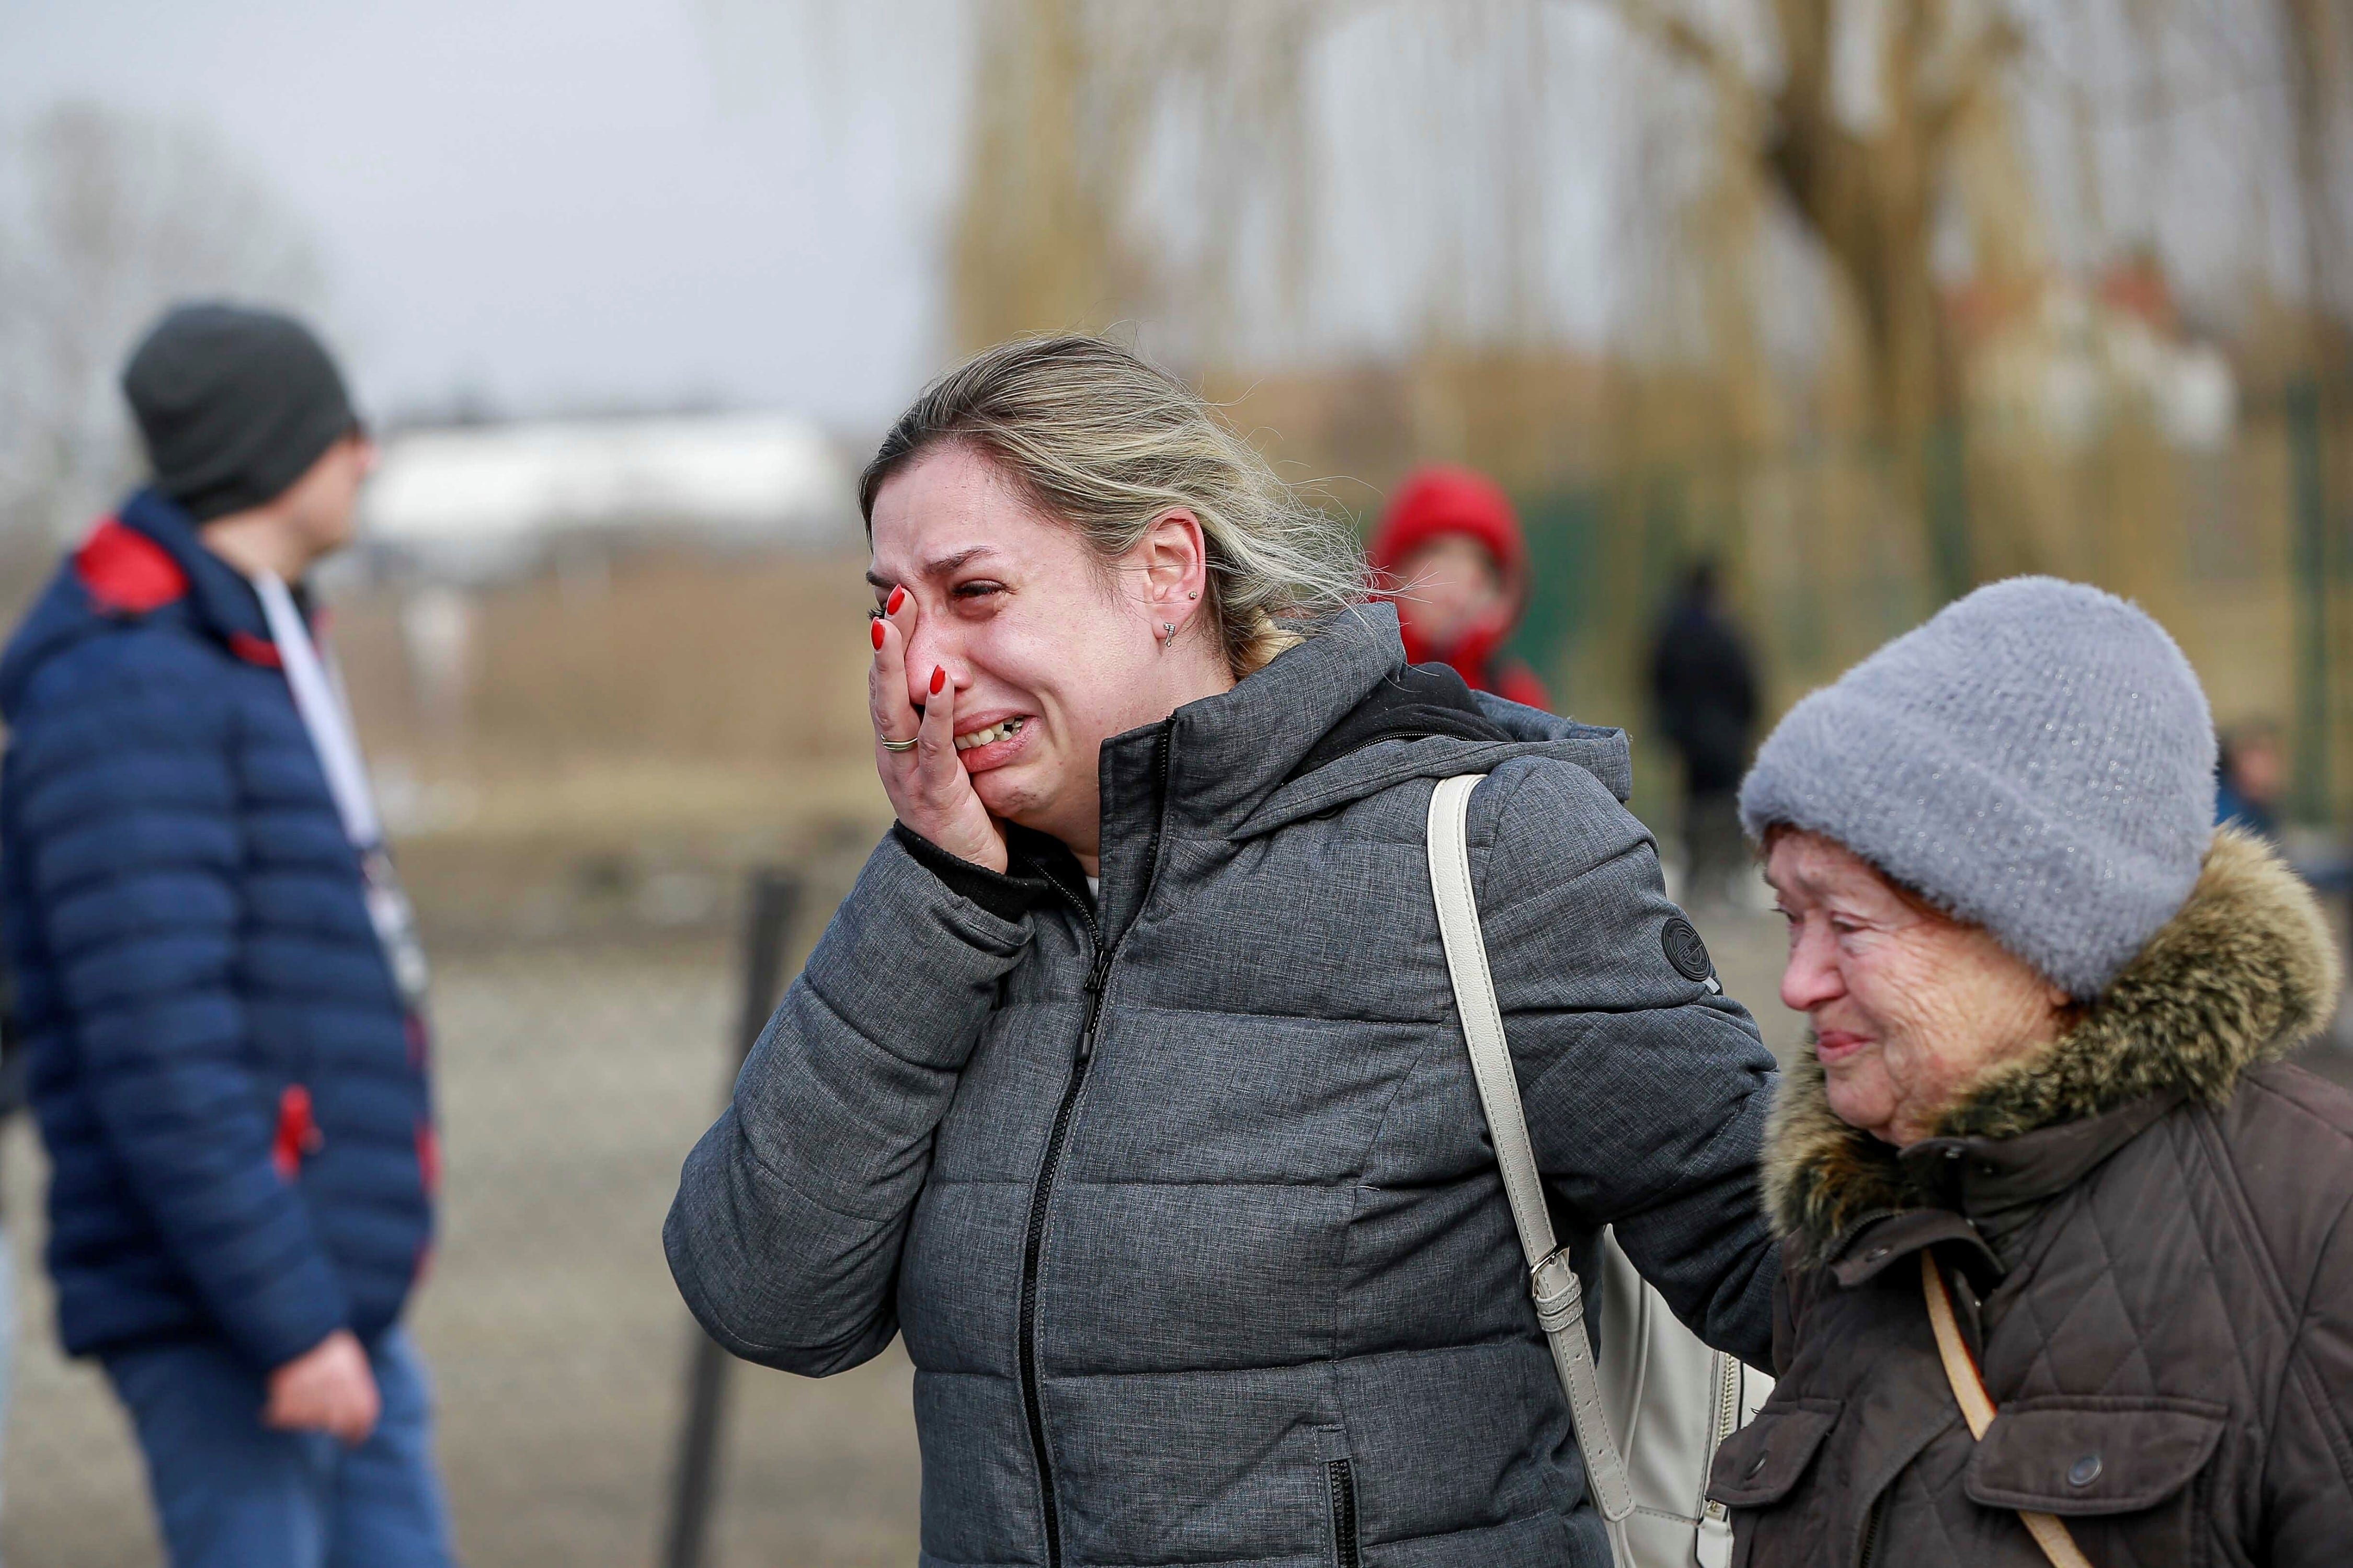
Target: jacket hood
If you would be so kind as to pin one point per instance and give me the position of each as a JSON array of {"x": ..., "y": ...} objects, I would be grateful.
[
  {"x": 2245, "y": 971},
  {"x": 1231, "y": 758},
  {"x": 143, "y": 562}
]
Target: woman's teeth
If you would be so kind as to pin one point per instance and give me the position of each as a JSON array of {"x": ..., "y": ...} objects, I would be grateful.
[{"x": 994, "y": 732}]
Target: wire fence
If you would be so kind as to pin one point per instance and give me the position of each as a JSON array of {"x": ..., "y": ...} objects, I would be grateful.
[{"x": 2241, "y": 544}]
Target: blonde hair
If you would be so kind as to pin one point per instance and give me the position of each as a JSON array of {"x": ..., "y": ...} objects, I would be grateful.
[{"x": 1093, "y": 436}]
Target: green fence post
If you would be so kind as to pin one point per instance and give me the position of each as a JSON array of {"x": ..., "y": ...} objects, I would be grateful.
[
  {"x": 2309, "y": 575},
  {"x": 1947, "y": 504}
]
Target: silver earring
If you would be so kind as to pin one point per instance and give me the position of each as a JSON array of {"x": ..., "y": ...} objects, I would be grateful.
[
  {"x": 1168, "y": 635},
  {"x": 1192, "y": 593}
]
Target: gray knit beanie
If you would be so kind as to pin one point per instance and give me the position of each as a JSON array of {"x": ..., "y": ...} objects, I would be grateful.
[
  {"x": 2037, "y": 759},
  {"x": 234, "y": 403}
]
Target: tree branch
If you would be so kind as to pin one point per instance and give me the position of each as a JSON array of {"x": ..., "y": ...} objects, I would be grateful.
[{"x": 1988, "y": 50}]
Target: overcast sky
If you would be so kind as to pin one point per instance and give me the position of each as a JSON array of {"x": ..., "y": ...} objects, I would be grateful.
[{"x": 560, "y": 202}]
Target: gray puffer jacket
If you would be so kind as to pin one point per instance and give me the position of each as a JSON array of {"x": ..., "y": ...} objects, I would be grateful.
[{"x": 1183, "y": 1198}]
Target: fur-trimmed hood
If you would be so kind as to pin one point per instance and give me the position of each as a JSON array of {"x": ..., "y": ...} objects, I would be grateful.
[{"x": 2245, "y": 971}]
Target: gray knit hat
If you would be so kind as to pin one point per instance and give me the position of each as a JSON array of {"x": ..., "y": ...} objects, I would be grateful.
[
  {"x": 234, "y": 405},
  {"x": 2037, "y": 759}
]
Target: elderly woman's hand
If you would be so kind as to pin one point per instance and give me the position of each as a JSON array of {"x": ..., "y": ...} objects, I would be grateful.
[
  {"x": 1909, "y": 1006},
  {"x": 926, "y": 782}
]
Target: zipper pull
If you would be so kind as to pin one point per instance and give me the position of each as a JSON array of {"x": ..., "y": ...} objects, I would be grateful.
[{"x": 1096, "y": 976}]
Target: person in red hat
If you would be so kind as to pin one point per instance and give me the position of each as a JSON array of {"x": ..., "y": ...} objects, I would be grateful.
[{"x": 1449, "y": 554}]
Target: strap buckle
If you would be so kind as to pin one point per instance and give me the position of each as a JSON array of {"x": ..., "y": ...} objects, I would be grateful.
[{"x": 1557, "y": 1292}]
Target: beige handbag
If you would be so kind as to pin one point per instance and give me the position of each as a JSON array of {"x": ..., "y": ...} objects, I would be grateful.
[
  {"x": 1977, "y": 1409},
  {"x": 1650, "y": 1417}
]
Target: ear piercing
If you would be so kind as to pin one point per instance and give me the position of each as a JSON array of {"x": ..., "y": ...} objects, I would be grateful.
[{"x": 1168, "y": 635}]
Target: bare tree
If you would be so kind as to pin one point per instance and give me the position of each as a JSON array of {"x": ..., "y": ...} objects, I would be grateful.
[{"x": 105, "y": 219}]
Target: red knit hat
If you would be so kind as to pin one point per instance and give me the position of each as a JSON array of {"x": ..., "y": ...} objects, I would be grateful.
[{"x": 1438, "y": 500}]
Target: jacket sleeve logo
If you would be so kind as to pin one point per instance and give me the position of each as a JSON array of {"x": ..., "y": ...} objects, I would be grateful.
[{"x": 1685, "y": 951}]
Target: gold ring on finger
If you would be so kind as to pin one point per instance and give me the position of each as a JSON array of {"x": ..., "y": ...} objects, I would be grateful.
[{"x": 890, "y": 745}]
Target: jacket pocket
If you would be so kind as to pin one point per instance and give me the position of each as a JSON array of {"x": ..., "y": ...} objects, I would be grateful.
[
  {"x": 1757, "y": 1465},
  {"x": 2081, "y": 1456},
  {"x": 1340, "y": 1481},
  {"x": 2122, "y": 1474}
]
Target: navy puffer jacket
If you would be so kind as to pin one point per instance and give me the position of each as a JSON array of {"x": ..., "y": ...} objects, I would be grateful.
[{"x": 195, "y": 959}]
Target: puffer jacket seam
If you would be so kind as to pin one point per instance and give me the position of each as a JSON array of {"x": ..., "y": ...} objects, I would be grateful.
[
  {"x": 806, "y": 1195},
  {"x": 103, "y": 814},
  {"x": 1501, "y": 815},
  {"x": 1514, "y": 1342},
  {"x": 1299, "y": 1184},
  {"x": 867, "y": 1036},
  {"x": 721, "y": 1328},
  {"x": 1542, "y": 1514},
  {"x": 1535, "y": 1088}
]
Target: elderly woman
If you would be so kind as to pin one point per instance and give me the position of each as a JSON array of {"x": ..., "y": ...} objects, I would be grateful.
[{"x": 2039, "y": 1162}]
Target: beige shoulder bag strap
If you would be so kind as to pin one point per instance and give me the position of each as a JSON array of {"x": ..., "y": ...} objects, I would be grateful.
[
  {"x": 1559, "y": 1298},
  {"x": 1977, "y": 1409}
]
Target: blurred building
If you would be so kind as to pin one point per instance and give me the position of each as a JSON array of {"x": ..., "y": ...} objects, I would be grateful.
[
  {"x": 2069, "y": 363},
  {"x": 596, "y": 630},
  {"x": 479, "y": 503}
]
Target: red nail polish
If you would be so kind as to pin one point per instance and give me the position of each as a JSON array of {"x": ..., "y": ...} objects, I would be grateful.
[
  {"x": 877, "y": 636},
  {"x": 898, "y": 597},
  {"x": 939, "y": 678}
]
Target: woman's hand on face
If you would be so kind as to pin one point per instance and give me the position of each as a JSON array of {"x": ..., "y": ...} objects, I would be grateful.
[{"x": 927, "y": 785}]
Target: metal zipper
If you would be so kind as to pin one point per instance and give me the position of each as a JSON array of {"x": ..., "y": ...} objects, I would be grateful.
[
  {"x": 1342, "y": 1480},
  {"x": 1871, "y": 1531},
  {"x": 1041, "y": 1195},
  {"x": 1713, "y": 1538},
  {"x": 1727, "y": 1400},
  {"x": 1714, "y": 1531}
]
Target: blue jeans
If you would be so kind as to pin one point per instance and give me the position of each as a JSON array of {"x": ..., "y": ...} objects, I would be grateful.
[{"x": 233, "y": 1493}]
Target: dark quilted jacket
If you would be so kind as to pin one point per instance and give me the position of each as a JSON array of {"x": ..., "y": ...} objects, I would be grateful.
[
  {"x": 2147, "y": 1230},
  {"x": 1182, "y": 1199},
  {"x": 185, "y": 919}
]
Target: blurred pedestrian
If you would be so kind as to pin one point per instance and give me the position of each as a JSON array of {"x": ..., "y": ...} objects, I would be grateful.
[
  {"x": 220, "y": 985},
  {"x": 2250, "y": 778},
  {"x": 1448, "y": 552},
  {"x": 1126, "y": 1081},
  {"x": 1704, "y": 689},
  {"x": 2068, "y": 1245}
]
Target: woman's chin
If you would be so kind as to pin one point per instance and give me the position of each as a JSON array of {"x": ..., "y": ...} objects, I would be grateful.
[
  {"x": 1861, "y": 1105},
  {"x": 1002, "y": 789}
]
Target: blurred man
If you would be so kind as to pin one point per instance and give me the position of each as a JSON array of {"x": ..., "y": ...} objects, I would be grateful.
[
  {"x": 1703, "y": 688},
  {"x": 1450, "y": 552},
  {"x": 219, "y": 982}
]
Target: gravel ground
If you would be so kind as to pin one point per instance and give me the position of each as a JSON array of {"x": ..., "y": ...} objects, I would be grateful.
[{"x": 572, "y": 1080}]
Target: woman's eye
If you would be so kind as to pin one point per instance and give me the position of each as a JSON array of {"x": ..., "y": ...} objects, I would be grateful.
[{"x": 980, "y": 590}]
